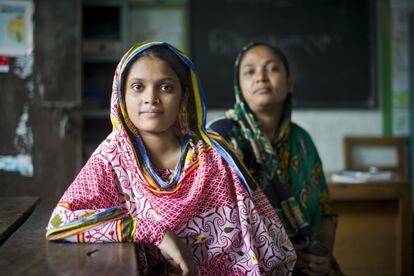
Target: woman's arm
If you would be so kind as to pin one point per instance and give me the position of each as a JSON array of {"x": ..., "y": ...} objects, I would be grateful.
[
  {"x": 327, "y": 232},
  {"x": 325, "y": 236},
  {"x": 92, "y": 211},
  {"x": 90, "y": 226},
  {"x": 327, "y": 228}
]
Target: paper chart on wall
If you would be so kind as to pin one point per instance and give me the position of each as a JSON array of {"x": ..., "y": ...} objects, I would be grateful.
[
  {"x": 400, "y": 72},
  {"x": 16, "y": 27}
]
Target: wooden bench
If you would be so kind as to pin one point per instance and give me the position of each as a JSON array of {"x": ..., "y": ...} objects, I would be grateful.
[
  {"x": 27, "y": 252},
  {"x": 13, "y": 212}
]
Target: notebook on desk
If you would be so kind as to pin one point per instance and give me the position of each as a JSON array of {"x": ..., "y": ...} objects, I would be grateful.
[{"x": 348, "y": 176}]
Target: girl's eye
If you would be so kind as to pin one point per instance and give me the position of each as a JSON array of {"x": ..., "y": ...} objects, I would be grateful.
[
  {"x": 138, "y": 87},
  {"x": 166, "y": 87}
]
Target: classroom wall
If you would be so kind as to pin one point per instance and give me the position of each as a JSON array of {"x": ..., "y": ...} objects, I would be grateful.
[{"x": 40, "y": 142}]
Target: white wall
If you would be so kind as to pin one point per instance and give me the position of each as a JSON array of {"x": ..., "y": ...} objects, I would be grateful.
[{"x": 328, "y": 129}]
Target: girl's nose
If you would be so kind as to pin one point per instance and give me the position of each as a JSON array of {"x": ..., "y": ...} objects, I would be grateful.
[
  {"x": 152, "y": 100},
  {"x": 151, "y": 97}
]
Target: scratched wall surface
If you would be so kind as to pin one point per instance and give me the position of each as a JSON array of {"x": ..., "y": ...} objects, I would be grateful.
[{"x": 40, "y": 150}]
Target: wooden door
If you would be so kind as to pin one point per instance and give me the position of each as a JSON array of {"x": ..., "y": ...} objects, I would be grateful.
[{"x": 40, "y": 141}]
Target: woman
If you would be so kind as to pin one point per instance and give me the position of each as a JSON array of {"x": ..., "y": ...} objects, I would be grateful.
[
  {"x": 281, "y": 155},
  {"x": 159, "y": 179}
]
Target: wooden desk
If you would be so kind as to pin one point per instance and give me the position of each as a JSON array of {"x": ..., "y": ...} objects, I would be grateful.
[
  {"x": 13, "y": 212},
  {"x": 27, "y": 252},
  {"x": 374, "y": 227}
]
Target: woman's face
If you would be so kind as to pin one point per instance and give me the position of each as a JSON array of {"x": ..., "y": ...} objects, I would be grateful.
[
  {"x": 152, "y": 95},
  {"x": 264, "y": 82}
]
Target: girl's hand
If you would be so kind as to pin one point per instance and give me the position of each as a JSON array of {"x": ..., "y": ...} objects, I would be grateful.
[{"x": 177, "y": 254}]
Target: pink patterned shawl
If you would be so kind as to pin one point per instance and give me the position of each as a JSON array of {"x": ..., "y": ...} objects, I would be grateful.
[{"x": 214, "y": 207}]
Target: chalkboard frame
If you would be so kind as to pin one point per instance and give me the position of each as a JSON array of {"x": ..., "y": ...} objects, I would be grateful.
[{"x": 370, "y": 100}]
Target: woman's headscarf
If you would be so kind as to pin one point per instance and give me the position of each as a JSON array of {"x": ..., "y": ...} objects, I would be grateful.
[
  {"x": 197, "y": 116},
  {"x": 263, "y": 150},
  {"x": 272, "y": 155}
]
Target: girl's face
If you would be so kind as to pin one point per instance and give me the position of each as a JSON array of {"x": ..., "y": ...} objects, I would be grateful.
[
  {"x": 264, "y": 82},
  {"x": 152, "y": 95}
]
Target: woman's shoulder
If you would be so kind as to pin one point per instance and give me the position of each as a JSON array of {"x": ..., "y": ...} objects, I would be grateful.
[
  {"x": 221, "y": 122},
  {"x": 223, "y": 126},
  {"x": 299, "y": 132},
  {"x": 302, "y": 138},
  {"x": 108, "y": 147}
]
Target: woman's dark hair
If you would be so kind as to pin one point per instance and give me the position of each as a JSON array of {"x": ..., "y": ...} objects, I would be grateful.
[
  {"x": 283, "y": 58},
  {"x": 171, "y": 59}
]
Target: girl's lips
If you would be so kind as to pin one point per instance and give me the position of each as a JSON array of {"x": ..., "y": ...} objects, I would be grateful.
[
  {"x": 151, "y": 111},
  {"x": 151, "y": 114}
]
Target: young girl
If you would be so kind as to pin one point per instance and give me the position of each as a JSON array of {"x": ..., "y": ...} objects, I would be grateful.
[
  {"x": 281, "y": 155},
  {"x": 161, "y": 180}
]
